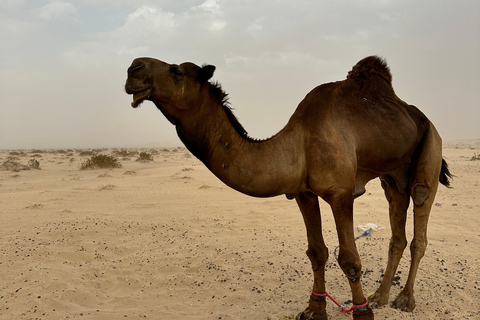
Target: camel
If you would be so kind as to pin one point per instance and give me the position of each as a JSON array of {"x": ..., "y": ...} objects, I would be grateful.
[{"x": 342, "y": 135}]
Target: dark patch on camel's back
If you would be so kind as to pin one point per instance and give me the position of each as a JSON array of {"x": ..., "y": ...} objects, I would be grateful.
[{"x": 370, "y": 67}]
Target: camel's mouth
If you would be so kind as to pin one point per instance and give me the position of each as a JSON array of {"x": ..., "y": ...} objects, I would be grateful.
[{"x": 140, "y": 96}]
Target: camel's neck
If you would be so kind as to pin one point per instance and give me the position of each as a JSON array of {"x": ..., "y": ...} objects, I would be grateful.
[{"x": 257, "y": 168}]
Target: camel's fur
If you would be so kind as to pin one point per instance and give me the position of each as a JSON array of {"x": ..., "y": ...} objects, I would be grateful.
[{"x": 341, "y": 135}]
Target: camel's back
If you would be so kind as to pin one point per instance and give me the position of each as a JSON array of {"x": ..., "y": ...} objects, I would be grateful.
[{"x": 364, "y": 115}]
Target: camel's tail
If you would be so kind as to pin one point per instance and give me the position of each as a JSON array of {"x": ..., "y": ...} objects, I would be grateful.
[{"x": 445, "y": 175}]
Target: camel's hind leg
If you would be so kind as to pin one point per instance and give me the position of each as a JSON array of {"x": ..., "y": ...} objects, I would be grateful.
[
  {"x": 424, "y": 178},
  {"x": 398, "y": 205}
]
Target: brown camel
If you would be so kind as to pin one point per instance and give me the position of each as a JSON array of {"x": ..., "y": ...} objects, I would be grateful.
[{"x": 341, "y": 136}]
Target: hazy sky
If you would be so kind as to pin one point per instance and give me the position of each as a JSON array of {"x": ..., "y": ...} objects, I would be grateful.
[{"x": 63, "y": 63}]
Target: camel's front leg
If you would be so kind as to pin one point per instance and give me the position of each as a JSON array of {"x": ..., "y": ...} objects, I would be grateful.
[
  {"x": 348, "y": 258},
  {"x": 318, "y": 254}
]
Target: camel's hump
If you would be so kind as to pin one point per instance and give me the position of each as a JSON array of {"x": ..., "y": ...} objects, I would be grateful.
[{"x": 371, "y": 66}]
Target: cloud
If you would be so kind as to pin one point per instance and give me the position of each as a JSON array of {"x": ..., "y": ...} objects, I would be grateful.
[
  {"x": 54, "y": 10},
  {"x": 267, "y": 53},
  {"x": 151, "y": 30}
]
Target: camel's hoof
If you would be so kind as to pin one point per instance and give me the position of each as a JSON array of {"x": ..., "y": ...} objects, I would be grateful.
[
  {"x": 404, "y": 302},
  {"x": 377, "y": 300},
  {"x": 309, "y": 314},
  {"x": 363, "y": 315}
]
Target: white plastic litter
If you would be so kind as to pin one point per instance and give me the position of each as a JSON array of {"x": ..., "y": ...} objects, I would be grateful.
[{"x": 368, "y": 226}]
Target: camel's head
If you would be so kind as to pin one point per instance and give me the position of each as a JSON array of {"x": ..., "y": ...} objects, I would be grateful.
[{"x": 171, "y": 87}]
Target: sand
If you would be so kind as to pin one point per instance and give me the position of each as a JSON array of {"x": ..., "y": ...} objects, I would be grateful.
[{"x": 166, "y": 239}]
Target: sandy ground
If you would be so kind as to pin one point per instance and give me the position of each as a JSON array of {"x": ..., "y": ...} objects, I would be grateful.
[{"x": 167, "y": 240}]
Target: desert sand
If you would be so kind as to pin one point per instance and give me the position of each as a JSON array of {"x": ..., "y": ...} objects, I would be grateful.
[{"x": 165, "y": 239}]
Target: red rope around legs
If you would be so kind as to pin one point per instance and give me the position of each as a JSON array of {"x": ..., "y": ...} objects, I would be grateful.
[{"x": 338, "y": 304}]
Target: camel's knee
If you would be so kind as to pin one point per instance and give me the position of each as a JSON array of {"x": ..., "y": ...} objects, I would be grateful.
[
  {"x": 418, "y": 247},
  {"x": 397, "y": 245},
  {"x": 318, "y": 256},
  {"x": 351, "y": 266},
  {"x": 420, "y": 194}
]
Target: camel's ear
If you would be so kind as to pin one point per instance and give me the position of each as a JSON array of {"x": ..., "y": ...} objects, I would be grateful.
[{"x": 205, "y": 73}]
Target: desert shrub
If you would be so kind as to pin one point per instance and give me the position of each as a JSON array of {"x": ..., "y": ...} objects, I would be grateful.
[
  {"x": 475, "y": 157},
  {"x": 14, "y": 166},
  {"x": 101, "y": 161},
  {"x": 17, "y": 153},
  {"x": 124, "y": 153},
  {"x": 87, "y": 153},
  {"x": 37, "y": 151},
  {"x": 34, "y": 164},
  {"x": 144, "y": 157}
]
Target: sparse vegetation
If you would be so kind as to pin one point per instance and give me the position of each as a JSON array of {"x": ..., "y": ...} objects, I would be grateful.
[
  {"x": 101, "y": 161},
  {"x": 34, "y": 164},
  {"x": 476, "y": 156},
  {"x": 124, "y": 153},
  {"x": 12, "y": 165},
  {"x": 87, "y": 153},
  {"x": 144, "y": 157}
]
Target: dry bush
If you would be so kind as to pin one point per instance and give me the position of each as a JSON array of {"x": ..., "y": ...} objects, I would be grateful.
[
  {"x": 144, "y": 157},
  {"x": 87, "y": 153},
  {"x": 11, "y": 165},
  {"x": 101, "y": 161},
  {"x": 17, "y": 153},
  {"x": 124, "y": 153},
  {"x": 34, "y": 164}
]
